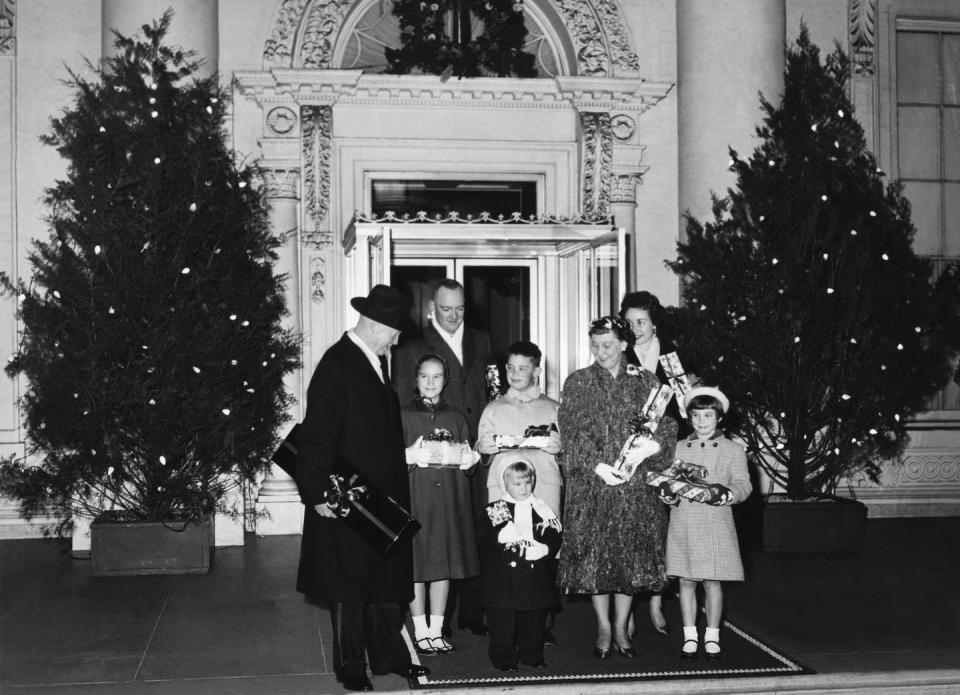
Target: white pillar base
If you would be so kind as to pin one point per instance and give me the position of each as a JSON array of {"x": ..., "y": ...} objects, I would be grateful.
[
  {"x": 284, "y": 515},
  {"x": 80, "y": 542}
]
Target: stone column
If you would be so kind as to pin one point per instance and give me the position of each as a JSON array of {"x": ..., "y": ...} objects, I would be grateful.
[
  {"x": 727, "y": 52},
  {"x": 195, "y": 25},
  {"x": 278, "y": 495},
  {"x": 623, "y": 207}
]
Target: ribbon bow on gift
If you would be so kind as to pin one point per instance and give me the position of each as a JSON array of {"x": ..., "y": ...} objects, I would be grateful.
[{"x": 342, "y": 493}]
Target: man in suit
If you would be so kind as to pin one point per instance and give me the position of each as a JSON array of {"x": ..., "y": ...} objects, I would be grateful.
[
  {"x": 352, "y": 424},
  {"x": 467, "y": 353}
]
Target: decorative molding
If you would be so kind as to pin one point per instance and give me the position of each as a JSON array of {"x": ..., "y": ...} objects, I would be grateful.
[
  {"x": 281, "y": 120},
  {"x": 929, "y": 468},
  {"x": 597, "y": 162},
  {"x": 593, "y": 58},
  {"x": 281, "y": 183},
  {"x": 8, "y": 23},
  {"x": 623, "y": 187},
  {"x": 318, "y": 279},
  {"x": 622, "y": 126},
  {"x": 484, "y": 218},
  {"x": 317, "y": 130},
  {"x": 278, "y": 50},
  {"x": 318, "y": 241},
  {"x": 618, "y": 39},
  {"x": 322, "y": 26},
  {"x": 863, "y": 26}
]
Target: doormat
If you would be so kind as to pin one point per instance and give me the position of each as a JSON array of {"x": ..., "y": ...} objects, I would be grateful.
[{"x": 572, "y": 659}]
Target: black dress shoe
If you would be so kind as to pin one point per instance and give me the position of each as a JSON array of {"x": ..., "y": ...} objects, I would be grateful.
[
  {"x": 625, "y": 652},
  {"x": 410, "y": 671},
  {"x": 358, "y": 682},
  {"x": 474, "y": 626},
  {"x": 507, "y": 669},
  {"x": 538, "y": 664},
  {"x": 549, "y": 640},
  {"x": 689, "y": 655},
  {"x": 602, "y": 653}
]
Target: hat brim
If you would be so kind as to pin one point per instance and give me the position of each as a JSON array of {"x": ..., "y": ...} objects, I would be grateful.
[
  {"x": 363, "y": 307},
  {"x": 707, "y": 391}
]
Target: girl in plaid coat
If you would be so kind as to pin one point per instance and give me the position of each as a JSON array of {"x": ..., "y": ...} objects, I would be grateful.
[{"x": 702, "y": 541}]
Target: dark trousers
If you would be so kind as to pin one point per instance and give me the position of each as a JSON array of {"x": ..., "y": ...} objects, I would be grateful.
[
  {"x": 515, "y": 635},
  {"x": 373, "y": 628}
]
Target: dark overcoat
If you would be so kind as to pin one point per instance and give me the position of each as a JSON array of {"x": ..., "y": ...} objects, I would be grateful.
[
  {"x": 466, "y": 388},
  {"x": 510, "y": 581},
  {"x": 352, "y": 422}
]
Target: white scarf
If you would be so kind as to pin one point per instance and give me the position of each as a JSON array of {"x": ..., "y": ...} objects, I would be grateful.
[
  {"x": 651, "y": 359},
  {"x": 523, "y": 513}
]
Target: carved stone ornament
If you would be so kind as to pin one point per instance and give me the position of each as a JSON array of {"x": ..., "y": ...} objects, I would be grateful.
[
  {"x": 623, "y": 187},
  {"x": 281, "y": 183},
  {"x": 623, "y": 127},
  {"x": 281, "y": 120},
  {"x": 317, "y": 240},
  {"x": 316, "y": 131},
  {"x": 318, "y": 279},
  {"x": 863, "y": 38},
  {"x": 597, "y": 28},
  {"x": 937, "y": 467},
  {"x": 597, "y": 160},
  {"x": 8, "y": 17}
]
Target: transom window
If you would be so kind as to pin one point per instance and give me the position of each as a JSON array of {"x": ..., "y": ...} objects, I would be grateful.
[{"x": 377, "y": 28}]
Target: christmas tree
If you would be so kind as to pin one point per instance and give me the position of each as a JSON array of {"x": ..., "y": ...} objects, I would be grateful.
[
  {"x": 151, "y": 339},
  {"x": 803, "y": 298},
  {"x": 427, "y": 44}
]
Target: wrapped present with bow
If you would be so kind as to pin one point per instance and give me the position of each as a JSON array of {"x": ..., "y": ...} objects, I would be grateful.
[
  {"x": 689, "y": 481},
  {"x": 372, "y": 514},
  {"x": 677, "y": 378},
  {"x": 640, "y": 445}
]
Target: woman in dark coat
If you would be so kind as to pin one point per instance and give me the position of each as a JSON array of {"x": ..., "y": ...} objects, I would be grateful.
[
  {"x": 645, "y": 315},
  {"x": 613, "y": 535}
]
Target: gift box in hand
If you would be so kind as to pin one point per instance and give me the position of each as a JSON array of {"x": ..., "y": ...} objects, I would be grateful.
[{"x": 688, "y": 480}]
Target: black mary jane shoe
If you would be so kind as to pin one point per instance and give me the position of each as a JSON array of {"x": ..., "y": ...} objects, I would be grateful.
[
  {"x": 686, "y": 654},
  {"x": 712, "y": 655},
  {"x": 424, "y": 647},
  {"x": 602, "y": 653},
  {"x": 357, "y": 682},
  {"x": 626, "y": 652}
]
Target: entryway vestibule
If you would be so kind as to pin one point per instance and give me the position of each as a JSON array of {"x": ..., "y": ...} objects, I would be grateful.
[{"x": 536, "y": 280}]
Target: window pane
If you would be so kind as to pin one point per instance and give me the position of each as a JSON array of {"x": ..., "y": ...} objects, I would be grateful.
[
  {"x": 951, "y": 214},
  {"x": 951, "y": 68},
  {"x": 408, "y": 197},
  {"x": 951, "y": 144},
  {"x": 917, "y": 60},
  {"x": 925, "y": 204},
  {"x": 919, "y": 142}
]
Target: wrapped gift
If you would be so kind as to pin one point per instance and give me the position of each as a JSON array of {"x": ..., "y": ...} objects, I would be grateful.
[
  {"x": 676, "y": 377},
  {"x": 534, "y": 437},
  {"x": 444, "y": 451},
  {"x": 494, "y": 389},
  {"x": 689, "y": 481},
  {"x": 372, "y": 514},
  {"x": 642, "y": 441}
]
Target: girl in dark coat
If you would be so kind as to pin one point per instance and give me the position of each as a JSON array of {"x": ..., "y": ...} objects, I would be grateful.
[{"x": 518, "y": 538}]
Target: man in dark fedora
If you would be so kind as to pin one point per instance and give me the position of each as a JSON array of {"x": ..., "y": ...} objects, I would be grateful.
[{"x": 352, "y": 423}]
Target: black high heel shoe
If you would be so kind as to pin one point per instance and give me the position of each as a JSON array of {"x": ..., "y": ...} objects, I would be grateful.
[
  {"x": 625, "y": 652},
  {"x": 602, "y": 653}
]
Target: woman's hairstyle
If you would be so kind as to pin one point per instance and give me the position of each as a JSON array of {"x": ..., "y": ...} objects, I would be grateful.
[
  {"x": 646, "y": 301},
  {"x": 615, "y": 325},
  {"x": 705, "y": 402},
  {"x": 521, "y": 469},
  {"x": 525, "y": 348},
  {"x": 430, "y": 357}
]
